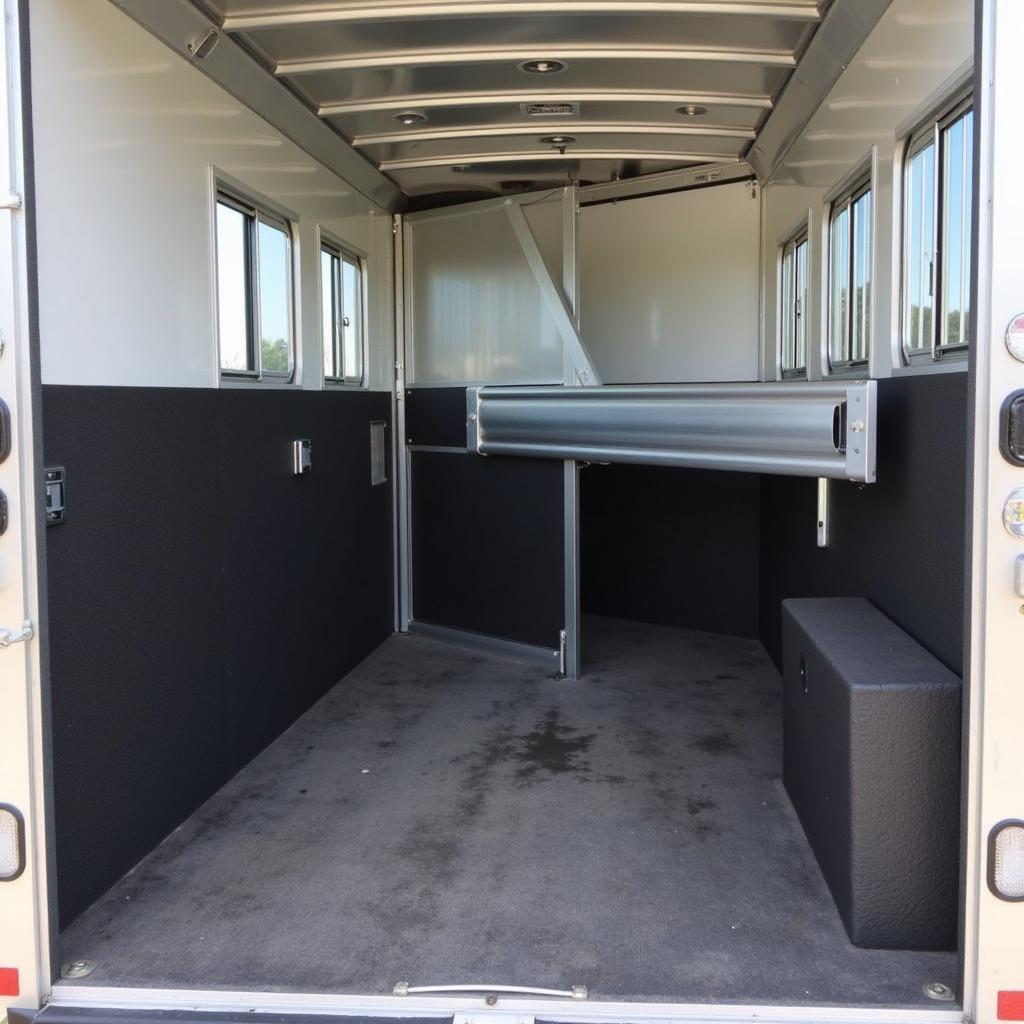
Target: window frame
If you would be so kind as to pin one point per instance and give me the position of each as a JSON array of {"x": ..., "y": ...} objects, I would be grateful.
[
  {"x": 257, "y": 212},
  {"x": 343, "y": 254},
  {"x": 792, "y": 320},
  {"x": 932, "y": 133},
  {"x": 861, "y": 185}
]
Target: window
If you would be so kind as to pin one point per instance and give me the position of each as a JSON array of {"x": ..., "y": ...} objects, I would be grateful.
[
  {"x": 254, "y": 291},
  {"x": 793, "y": 313},
  {"x": 938, "y": 191},
  {"x": 849, "y": 283},
  {"x": 341, "y": 311}
]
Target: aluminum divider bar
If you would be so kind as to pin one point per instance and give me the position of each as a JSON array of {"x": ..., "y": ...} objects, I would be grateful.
[
  {"x": 553, "y": 297},
  {"x": 804, "y": 429}
]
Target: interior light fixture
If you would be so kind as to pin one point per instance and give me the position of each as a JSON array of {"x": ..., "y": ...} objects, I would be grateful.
[
  {"x": 691, "y": 110},
  {"x": 409, "y": 117},
  {"x": 201, "y": 46},
  {"x": 462, "y": 168},
  {"x": 558, "y": 140},
  {"x": 542, "y": 66}
]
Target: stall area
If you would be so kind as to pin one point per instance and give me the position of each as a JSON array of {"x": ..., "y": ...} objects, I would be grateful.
[{"x": 507, "y": 479}]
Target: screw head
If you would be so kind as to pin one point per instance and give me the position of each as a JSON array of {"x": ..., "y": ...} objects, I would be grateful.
[{"x": 939, "y": 990}]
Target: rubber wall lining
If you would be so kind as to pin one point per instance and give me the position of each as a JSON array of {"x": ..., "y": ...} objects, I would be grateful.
[
  {"x": 678, "y": 547},
  {"x": 899, "y": 542},
  {"x": 488, "y": 545},
  {"x": 200, "y": 597}
]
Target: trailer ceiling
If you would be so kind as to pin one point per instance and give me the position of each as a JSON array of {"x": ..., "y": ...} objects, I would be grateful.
[{"x": 640, "y": 86}]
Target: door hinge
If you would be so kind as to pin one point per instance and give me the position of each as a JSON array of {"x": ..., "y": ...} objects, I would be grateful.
[
  {"x": 9, "y": 637},
  {"x": 11, "y": 201}
]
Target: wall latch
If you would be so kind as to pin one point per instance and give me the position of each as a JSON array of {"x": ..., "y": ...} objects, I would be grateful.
[{"x": 9, "y": 637}]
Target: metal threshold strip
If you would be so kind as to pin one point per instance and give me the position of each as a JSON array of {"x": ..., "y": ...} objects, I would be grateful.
[
  {"x": 578, "y": 992},
  {"x": 800, "y": 429}
]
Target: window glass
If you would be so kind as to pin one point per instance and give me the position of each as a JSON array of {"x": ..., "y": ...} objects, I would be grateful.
[
  {"x": 800, "y": 314},
  {"x": 861, "y": 257},
  {"x": 329, "y": 312},
  {"x": 342, "y": 329},
  {"x": 919, "y": 249},
  {"x": 957, "y": 199},
  {"x": 938, "y": 192},
  {"x": 274, "y": 299},
  {"x": 233, "y": 290},
  {"x": 351, "y": 321},
  {"x": 793, "y": 298},
  {"x": 839, "y": 286}
]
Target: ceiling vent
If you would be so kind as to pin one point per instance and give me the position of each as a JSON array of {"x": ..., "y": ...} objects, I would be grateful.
[{"x": 544, "y": 110}]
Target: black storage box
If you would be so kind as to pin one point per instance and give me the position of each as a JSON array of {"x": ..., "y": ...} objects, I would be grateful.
[{"x": 871, "y": 761}]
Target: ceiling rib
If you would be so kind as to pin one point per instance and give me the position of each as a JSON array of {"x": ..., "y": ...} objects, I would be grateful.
[
  {"x": 544, "y": 126},
  {"x": 422, "y": 101},
  {"x": 505, "y": 55},
  {"x": 533, "y": 156},
  {"x": 361, "y": 10}
]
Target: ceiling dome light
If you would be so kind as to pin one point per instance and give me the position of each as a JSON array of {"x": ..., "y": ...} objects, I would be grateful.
[
  {"x": 462, "y": 168},
  {"x": 692, "y": 110},
  {"x": 558, "y": 140},
  {"x": 409, "y": 117},
  {"x": 543, "y": 66}
]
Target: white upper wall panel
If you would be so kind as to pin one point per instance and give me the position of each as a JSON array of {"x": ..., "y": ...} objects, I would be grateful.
[
  {"x": 125, "y": 134},
  {"x": 476, "y": 311},
  {"x": 669, "y": 286},
  {"x": 916, "y": 54}
]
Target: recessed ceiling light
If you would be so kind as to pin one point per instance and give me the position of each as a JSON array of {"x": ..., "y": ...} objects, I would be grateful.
[
  {"x": 409, "y": 117},
  {"x": 462, "y": 168},
  {"x": 691, "y": 110},
  {"x": 558, "y": 140},
  {"x": 543, "y": 66}
]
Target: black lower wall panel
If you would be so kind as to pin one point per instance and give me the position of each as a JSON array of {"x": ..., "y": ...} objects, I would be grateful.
[
  {"x": 200, "y": 597},
  {"x": 677, "y": 547},
  {"x": 488, "y": 545},
  {"x": 899, "y": 542}
]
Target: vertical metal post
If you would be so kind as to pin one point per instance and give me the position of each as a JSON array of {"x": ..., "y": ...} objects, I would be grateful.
[
  {"x": 823, "y": 511},
  {"x": 571, "y": 476},
  {"x": 403, "y": 548}
]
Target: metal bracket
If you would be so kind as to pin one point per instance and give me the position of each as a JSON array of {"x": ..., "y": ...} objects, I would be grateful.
[
  {"x": 9, "y": 637},
  {"x": 11, "y": 201},
  {"x": 553, "y": 297},
  {"x": 823, "y": 511}
]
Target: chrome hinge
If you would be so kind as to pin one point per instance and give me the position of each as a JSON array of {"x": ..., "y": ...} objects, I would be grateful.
[{"x": 9, "y": 637}]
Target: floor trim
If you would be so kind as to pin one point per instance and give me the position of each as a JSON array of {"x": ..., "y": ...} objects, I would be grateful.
[
  {"x": 524, "y": 1010},
  {"x": 541, "y": 656}
]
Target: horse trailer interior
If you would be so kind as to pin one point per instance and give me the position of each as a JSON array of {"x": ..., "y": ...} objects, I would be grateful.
[{"x": 511, "y": 511}]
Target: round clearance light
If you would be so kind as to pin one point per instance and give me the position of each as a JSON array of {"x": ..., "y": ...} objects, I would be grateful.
[
  {"x": 409, "y": 117},
  {"x": 12, "y": 844},
  {"x": 692, "y": 110},
  {"x": 1015, "y": 337},
  {"x": 558, "y": 140},
  {"x": 1013, "y": 512},
  {"x": 1006, "y": 861},
  {"x": 542, "y": 66}
]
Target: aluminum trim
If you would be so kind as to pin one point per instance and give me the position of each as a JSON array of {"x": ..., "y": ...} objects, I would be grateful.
[
  {"x": 761, "y": 428},
  {"x": 800, "y": 10}
]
